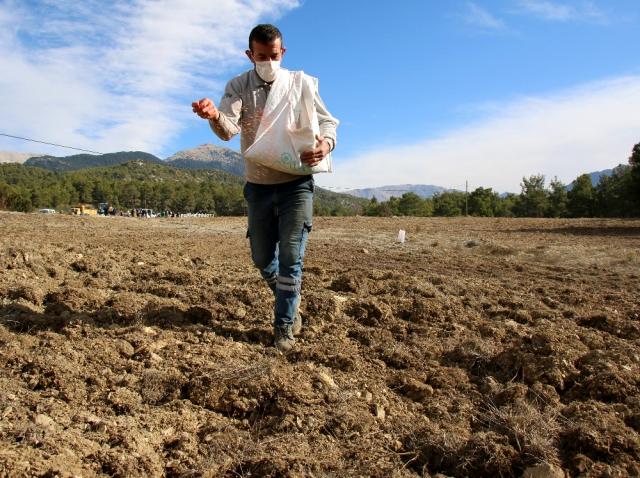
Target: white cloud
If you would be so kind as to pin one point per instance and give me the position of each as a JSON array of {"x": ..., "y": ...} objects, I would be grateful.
[
  {"x": 562, "y": 11},
  {"x": 588, "y": 128},
  {"x": 117, "y": 75},
  {"x": 479, "y": 17}
]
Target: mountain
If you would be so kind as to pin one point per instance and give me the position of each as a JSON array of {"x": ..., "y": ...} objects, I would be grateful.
[
  {"x": 383, "y": 193},
  {"x": 14, "y": 157},
  {"x": 208, "y": 156},
  {"x": 82, "y": 161},
  {"x": 596, "y": 176}
]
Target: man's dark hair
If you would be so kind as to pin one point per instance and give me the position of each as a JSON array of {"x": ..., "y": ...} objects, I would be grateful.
[{"x": 264, "y": 34}]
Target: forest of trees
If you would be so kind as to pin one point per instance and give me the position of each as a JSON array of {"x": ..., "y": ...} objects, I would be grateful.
[
  {"x": 130, "y": 185},
  {"x": 139, "y": 184}
]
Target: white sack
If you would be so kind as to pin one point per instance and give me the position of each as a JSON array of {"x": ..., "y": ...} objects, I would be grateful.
[{"x": 289, "y": 126}]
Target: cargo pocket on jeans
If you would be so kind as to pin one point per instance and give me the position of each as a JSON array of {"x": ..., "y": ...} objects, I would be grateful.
[{"x": 306, "y": 229}]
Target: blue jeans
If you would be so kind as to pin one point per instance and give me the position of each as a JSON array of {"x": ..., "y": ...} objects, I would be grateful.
[{"x": 280, "y": 220}]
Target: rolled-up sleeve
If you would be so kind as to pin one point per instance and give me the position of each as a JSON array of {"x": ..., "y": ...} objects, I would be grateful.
[
  {"x": 228, "y": 123},
  {"x": 328, "y": 123}
]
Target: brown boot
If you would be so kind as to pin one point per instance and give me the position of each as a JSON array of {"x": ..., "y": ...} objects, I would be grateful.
[{"x": 283, "y": 338}]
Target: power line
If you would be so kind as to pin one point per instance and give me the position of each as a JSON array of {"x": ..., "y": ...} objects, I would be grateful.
[
  {"x": 98, "y": 152},
  {"x": 50, "y": 144}
]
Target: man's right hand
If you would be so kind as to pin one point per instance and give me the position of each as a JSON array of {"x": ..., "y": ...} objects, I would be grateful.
[{"x": 206, "y": 109}]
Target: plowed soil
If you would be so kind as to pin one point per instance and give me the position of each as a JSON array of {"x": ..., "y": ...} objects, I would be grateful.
[{"x": 479, "y": 347}]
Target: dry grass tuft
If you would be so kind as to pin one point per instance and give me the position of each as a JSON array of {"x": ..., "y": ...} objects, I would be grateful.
[{"x": 532, "y": 432}]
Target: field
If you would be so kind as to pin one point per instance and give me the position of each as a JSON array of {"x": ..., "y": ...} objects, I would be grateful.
[{"x": 479, "y": 347}]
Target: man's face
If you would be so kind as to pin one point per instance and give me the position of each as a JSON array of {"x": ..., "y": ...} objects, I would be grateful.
[{"x": 265, "y": 52}]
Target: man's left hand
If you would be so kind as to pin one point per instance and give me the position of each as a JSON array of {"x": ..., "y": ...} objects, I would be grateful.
[{"x": 313, "y": 157}]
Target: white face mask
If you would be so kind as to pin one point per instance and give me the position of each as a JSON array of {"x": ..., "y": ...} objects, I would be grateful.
[{"x": 267, "y": 70}]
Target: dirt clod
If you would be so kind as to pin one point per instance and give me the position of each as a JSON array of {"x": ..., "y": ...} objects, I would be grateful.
[{"x": 544, "y": 470}]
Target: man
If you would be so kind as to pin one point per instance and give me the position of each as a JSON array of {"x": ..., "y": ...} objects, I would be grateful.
[{"x": 280, "y": 205}]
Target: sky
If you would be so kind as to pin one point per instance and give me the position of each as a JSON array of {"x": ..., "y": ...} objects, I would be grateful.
[{"x": 426, "y": 91}]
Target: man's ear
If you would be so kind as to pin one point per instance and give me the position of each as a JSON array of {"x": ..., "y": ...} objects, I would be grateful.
[
  {"x": 283, "y": 51},
  {"x": 249, "y": 55}
]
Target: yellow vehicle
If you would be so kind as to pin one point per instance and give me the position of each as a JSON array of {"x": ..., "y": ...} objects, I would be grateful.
[{"x": 84, "y": 210}]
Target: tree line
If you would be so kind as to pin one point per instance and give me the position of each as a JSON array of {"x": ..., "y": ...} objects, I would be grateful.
[
  {"x": 131, "y": 185},
  {"x": 617, "y": 195},
  {"x": 140, "y": 184}
]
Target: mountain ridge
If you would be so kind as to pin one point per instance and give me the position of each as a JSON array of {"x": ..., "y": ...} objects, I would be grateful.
[
  {"x": 206, "y": 156},
  {"x": 85, "y": 161},
  {"x": 384, "y": 193},
  {"x": 16, "y": 156},
  {"x": 209, "y": 156}
]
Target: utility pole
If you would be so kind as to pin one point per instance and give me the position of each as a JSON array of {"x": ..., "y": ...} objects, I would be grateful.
[{"x": 466, "y": 198}]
